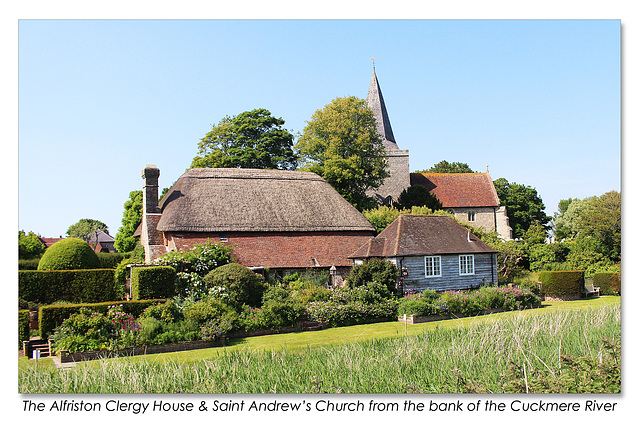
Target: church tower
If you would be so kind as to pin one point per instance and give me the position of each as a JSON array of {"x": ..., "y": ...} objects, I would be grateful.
[{"x": 398, "y": 159}]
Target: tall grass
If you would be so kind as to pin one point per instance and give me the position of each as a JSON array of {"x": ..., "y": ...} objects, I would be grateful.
[{"x": 442, "y": 360}]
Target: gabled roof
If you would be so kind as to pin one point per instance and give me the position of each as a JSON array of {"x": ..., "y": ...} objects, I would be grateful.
[
  {"x": 256, "y": 200},
  {"x": 455, "y": 190},
  {"x": 416, "y": 235},
  {"x": 375, "y": 102}
]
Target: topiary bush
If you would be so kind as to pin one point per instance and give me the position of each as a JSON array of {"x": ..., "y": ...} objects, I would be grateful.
[
  {"x": 609, "y": 283},
  {"x": 69, "y": 254},
  {"x": 239, "y": 284}
]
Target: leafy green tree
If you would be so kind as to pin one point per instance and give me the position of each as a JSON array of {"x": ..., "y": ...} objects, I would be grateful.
[
  {"x": 29, "y": 245},
  {"x": 382, "y": 216},
  {"x": 599, "y": 218},
  {"x": 341, "y": 144},
  {"x": 252, "y": 139},
  {"x": 417, "y": 195},
  {"x": 131, "y": 219},
  {"x": 524, "y": 206},
  {"x": 84, "y": 228},
  {"x": 602, "y": 220},
  {"x": 446, "y": 167}
]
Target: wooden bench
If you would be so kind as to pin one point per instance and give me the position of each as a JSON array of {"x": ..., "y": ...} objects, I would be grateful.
[{"x": 590, "y": 290}]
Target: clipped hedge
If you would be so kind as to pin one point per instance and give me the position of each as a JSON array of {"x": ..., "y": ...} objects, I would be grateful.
[
  {"x": 609, "y": 283},
  {"x": 560, "y": 283},
  {"x": 78, "y": 286},
  {"x": 153, "y": 282},
  {"x": 51, "y": 316},
  {"x": 110, "y": 260},
  {"x": 23, "y": 327}
]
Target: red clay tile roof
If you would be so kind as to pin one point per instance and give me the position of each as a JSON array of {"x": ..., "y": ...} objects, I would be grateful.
[
  {"x": 422, "y": 235},
  {"x": 456, "y": 190}
]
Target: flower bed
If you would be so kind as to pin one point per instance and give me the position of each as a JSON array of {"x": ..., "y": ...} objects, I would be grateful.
[
  {"x": 466, "y": 303},
  {"x": 66, "y": 357}
]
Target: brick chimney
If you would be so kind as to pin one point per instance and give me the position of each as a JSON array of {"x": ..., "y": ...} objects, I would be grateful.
[
  {"x": 150, "y": 176},
  {"x": 150, "y": 238}
]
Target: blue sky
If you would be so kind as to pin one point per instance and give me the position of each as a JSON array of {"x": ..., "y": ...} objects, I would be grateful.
[{"x": 536, "y": 100}]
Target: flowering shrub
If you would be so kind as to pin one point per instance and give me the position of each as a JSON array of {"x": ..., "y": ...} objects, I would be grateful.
[
  {"x": 466, "y": 303},
  {"x": 191, "y": 266},
  {"x": 214, "y": 329},
  {"x": 334, "y": 313},
  {"x": 88, "y": 330}
]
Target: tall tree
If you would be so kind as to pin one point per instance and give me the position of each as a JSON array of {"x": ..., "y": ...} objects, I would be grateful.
[
  {"x": 524, "y": 206},
  {"x": 84, "y": 229},
  {"x": 417, "y": 195},
  {"x": 131, "y": 219},
  {"x": 341, "y": 144},
  {"x": 29, "y": 245},
  {"x": 446, "y": 167},
  {"x": 252, "y": 139}
]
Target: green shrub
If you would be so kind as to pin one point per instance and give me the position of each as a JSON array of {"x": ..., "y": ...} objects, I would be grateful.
[
  {"x": 378, "y": 271},
  {"x": 153, "y": 282},
  {"x": 23, "y": 327},
  {"x": 69, "y": 254},
  {"x": 204, "y": 310},
  {"x": 241, "y": 285},
  {"x": 609, "y": 283},
  {"x": 338, "y": 314},
  {"x": 561, "y": 282},
  {"x": 69, "y": 285},
  {"x": 418, "y": 307},
  {"x": 168, "y": 312},
  {"x": 51, "y": 316}
]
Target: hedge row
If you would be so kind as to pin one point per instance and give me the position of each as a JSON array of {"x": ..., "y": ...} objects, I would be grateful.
[
  {"x": 23, "y": 327},
  {"x": 153, "y": 282},
  {"x": 77, "y": 286},
  {"x": 609, "y": 283},
  {"x": 51, "y": 316},
  {"x": 562, "y": 282}
]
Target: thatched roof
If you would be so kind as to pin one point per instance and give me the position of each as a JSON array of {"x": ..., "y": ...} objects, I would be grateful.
[
  {"x": 416, "y": 235},
  {"x": 256, "y": 200}
]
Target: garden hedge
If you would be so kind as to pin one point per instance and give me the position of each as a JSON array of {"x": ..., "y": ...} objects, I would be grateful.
[
  {"x": 153, "y": 282},
  {"x": 23, "y": 327},
  {"x": 609, "y": 283},
  {"x": 50, "y": 316},
  {"x": 76, "y": 286},
  {"x": 561, "y": 282}
]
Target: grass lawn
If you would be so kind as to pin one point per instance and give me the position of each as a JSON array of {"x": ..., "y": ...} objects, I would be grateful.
[{"x": 346, "y": 334}]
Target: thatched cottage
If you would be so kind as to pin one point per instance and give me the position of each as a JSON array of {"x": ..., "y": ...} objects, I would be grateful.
[
  {"x": 282, "y": 220},
  {"x": 436, "y": 251}
]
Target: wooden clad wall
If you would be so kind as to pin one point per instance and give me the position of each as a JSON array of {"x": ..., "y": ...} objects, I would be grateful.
[{"x": 450, "y": 279}]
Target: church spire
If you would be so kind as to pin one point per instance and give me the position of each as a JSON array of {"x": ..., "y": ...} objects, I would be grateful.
[{"x": 375, "y": 102}]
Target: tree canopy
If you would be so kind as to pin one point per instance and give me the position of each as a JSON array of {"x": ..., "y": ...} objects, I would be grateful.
[
  {"x": 252, "y": 139},
  {"x": 417, "y": 195},
  {"x": 84, "y": 228},
  {"x": 524, "y": 206},
  {"x": 341, "y": 144},
  {"x": 446, "y": 167},
  {"x": 29, "y": 245},
  {"x": 131, "y": 219}
]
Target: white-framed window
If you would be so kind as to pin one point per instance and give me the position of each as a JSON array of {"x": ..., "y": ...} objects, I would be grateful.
[
  {"x": 471, "y": 215},
  {"x": 432, "y": 266},
  {"x": 466, "y": 265}
]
